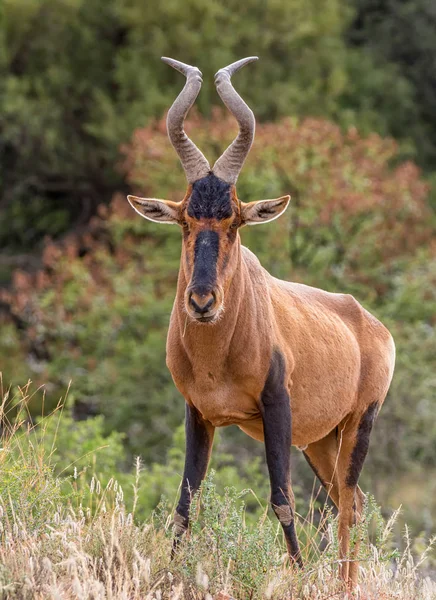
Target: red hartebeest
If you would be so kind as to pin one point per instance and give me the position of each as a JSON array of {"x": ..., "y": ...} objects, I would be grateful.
[{"x": 287, "y": 363}]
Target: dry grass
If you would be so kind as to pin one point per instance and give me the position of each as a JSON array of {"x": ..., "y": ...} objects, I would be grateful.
[
  {"x": 108, "y": 556},
  {"x": 53, "y": 546}
]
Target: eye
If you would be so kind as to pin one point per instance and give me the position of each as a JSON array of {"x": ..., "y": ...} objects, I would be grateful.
[
  {"x": 234, "y": 225},
  {"x": 185, "y": 224}
]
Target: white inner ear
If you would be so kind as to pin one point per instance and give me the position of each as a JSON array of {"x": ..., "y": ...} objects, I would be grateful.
[
  {"x": 158, "y": 211},
  {"x": 264, "y": 211}
]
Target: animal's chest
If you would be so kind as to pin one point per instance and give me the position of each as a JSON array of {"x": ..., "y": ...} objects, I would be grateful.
[
  {"x": 220, "y": 397},
  {"x": 224, "y": 381}
]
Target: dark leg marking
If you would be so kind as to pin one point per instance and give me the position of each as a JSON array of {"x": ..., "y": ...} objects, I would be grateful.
[
  {"x": 360, "y": 450},
  {"x": 276, "y": 415},
  {"x": 199, "y": 439}
]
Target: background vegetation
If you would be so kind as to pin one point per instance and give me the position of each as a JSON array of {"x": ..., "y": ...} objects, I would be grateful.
[
  {"x": 343, "y": 94},
  {"x": 78, "y": 77}
]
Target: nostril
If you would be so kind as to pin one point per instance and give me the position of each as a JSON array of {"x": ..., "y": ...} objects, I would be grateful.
[
  {"x": 194, "y": 305},
  {"x": 209, "y": 304},
  {"x": 202, "y": 303}
]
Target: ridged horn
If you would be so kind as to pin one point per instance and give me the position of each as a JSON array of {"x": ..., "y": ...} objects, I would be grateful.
[
  {"x": 229, "y": 165},
  {"x": 193, "y": 161}
]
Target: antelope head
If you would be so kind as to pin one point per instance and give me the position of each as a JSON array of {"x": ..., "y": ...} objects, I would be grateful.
[{"x": 210, "y": 214}]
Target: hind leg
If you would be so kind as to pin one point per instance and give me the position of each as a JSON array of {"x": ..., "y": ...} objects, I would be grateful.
[
  {"x": 356, "y": 432},
  {"x": 337, "y": 460},
  {"x": 322, "y": 457}
]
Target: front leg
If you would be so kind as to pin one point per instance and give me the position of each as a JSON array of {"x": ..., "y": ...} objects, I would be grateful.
[
  {"x": 276, "y": 416},
  {"x": 199, "y": 439}
]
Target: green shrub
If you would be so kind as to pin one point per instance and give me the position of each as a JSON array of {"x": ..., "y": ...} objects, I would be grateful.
[
  {"x": 28, "y": 492},
  {"x": 78, "y": 77},
  {"x": 245, "y": 554},
  {"x": 402, "y": 34}
]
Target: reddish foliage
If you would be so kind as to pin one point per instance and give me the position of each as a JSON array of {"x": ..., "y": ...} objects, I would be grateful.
[{"x": 336, "y": 177}]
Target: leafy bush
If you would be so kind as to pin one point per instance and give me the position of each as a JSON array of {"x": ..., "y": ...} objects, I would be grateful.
[
  {"x": 355, "y": 218},
  {"x": 402, "y": 34},
  {"x": 237, "y": 554},
  {"x": 46, "y": 460},
  {"x": 31, "y": 490},
  {"x": 79, "y": 76}
]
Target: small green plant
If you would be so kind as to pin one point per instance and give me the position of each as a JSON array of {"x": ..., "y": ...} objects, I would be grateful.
[
  {"x": 222, "y": 552},
  {"x": 239, "y": 555}
]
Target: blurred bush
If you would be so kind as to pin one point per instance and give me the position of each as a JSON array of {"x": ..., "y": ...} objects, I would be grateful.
[
  {"x": 78, "y": 77},
  {"x": 403, "y": 34},
  {"x": 357, "y": 216}
]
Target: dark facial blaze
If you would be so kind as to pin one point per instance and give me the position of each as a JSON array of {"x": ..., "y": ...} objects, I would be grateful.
[
  {"x": 206, "y": 252},
  {"x": 209, "y": 214}
]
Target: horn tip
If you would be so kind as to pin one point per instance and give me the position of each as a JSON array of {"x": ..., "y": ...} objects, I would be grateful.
[
  {"x": 234, "y": 67},
  {"x": 186, "y": 70},
  {"x": 167, "y": 60}
]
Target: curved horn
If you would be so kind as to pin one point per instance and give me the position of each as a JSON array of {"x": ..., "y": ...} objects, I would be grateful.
[
  {"x": 228, "y": 166},
  {"x": 193, "y": 161}
]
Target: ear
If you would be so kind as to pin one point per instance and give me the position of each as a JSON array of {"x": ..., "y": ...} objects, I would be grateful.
[
  {"x": 160, "y": 211},
  {"x": 263, "y": 211}
]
